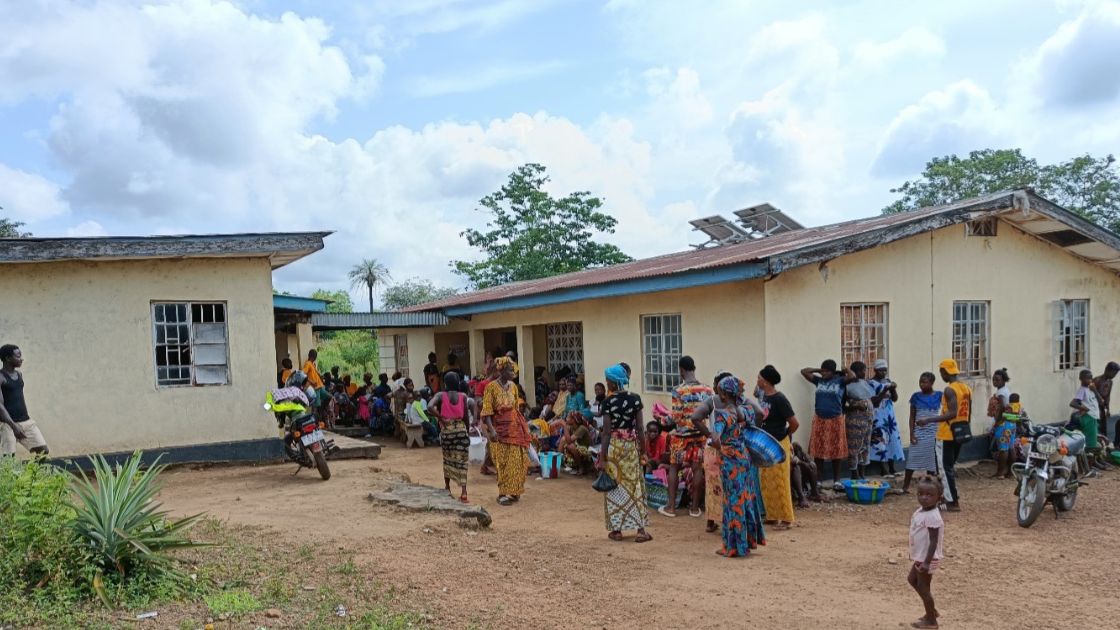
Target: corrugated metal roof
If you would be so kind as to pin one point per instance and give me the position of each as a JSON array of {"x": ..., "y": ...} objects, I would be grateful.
[
  {"x": 280, "y": 248},
  {"x": 716, "y": 257},
  {"x": 358, "y": 321}
]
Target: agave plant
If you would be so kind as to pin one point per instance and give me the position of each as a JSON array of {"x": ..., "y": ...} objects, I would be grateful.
[{"x": 119, "y": 521}]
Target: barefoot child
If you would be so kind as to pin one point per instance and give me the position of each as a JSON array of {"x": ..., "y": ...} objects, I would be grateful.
[{"x": 927, "y": 547}]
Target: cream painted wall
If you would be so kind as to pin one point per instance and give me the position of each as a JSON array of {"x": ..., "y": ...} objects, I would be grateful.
[
  {"x": 86, "y": 333},
  {"x": 721, "y": 328},
  {"x": 920, "y": 278}
]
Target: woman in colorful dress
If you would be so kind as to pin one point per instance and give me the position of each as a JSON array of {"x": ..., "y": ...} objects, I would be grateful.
[
  {"x": 452, "y": 409},
  {"x": 713, "y": 478},
  {"x": 508, "y": 431},
  {"x": 859, "y": 418},
  {"x": 781, "y": 423},
  {"x": 925, "y": 405},
  {"x": 623, "y": 446},
  {"x": 742, "y": 524},
  {"x": 886, "y": 441}
]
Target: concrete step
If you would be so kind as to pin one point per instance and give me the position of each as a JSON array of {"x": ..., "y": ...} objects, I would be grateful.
[{"x": 353, "y": 448}]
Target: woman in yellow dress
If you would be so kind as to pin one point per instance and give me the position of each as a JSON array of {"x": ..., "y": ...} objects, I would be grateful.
[{"x": 508, "y": 431}]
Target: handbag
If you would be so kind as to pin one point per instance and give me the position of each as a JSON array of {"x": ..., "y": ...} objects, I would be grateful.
[
  {"x": 604, "y": 483},
  {"x": 962, "y": 432},
  {"x": 476, "y": 452}
]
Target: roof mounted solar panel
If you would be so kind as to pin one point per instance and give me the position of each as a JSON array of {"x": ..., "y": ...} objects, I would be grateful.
[
  {"x": 765, "y": 220},
  {"x": 720, "y": 231}
]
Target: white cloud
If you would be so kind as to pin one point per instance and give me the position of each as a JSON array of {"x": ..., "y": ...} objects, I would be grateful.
[
  {"x": 87, "y": 228},
  {"x": 957, "y": 119},
  {"x": 29, "y": 198},
  {"x": 1079, "y": 64},
  {"x": 475, "y": 81},
  {"x": 916, "y": 43}
]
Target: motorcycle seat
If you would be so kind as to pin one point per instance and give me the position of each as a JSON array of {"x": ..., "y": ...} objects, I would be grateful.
[{"x": 1074, "y": 441}]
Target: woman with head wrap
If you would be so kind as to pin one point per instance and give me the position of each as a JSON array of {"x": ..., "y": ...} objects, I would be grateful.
[
  {"x": 742, "y": 524},
  {"x": 713, "y": 478},
  {"x": 781, "y": 423},
  {"x": 508, "y": 431},
  {"x": 453, "y": 410},
  {"x": 623, "y": 446}
]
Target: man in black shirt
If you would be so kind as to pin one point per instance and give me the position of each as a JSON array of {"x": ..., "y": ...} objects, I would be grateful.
[
  {"x": 382, "y": 390},
  {"x": 15, "y": 423}
]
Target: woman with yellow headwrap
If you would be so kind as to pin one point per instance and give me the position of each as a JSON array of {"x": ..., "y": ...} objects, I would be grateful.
[{"x": 508, "y": 431}]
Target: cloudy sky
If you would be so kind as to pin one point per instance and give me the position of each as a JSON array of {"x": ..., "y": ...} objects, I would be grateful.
[{"x": 386, "y": 121}]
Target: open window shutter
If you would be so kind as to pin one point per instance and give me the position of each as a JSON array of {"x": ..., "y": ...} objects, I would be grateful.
[
  {"x": 1057, "y": 312},
  {"x": 211, "y": 356}
]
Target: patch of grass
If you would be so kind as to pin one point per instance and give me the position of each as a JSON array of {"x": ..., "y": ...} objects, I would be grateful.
[
  {"x": 346, "y": 568},
  {"x": 305, "y": 552},
  {"x": 234, "y": 603}
]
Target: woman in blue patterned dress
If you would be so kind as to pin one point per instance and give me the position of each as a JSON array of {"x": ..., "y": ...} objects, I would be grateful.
[
  {"x": 886, "y": 441},
  {"x": 742, "y": 524}
]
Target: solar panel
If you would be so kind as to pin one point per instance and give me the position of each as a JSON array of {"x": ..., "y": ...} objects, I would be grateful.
[
  {"x": 720, "y": 231},
  {"x": 765, "y": 220}
]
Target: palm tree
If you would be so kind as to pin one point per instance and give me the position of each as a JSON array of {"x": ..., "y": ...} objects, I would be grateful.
[{"x": 368, "y": 273}]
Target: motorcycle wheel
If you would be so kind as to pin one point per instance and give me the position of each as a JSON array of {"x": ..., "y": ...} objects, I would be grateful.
[
  {"x": 321, "y": 464},
  {"x": 1066, "y": 502},
  {"x": 1032, "y": 499}
]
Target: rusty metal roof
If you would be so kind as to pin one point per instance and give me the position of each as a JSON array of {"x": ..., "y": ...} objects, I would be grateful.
[{"x": 779, "y": 252}]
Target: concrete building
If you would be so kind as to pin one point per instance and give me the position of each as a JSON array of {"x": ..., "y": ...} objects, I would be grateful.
[
  {"x": 159, "y": 343},
  {"x": 1007, "y": 280}
]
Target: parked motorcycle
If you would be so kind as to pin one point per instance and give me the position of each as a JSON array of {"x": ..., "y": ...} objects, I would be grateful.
[
  {"x": 304, "y": 440},
  {"x": 1051, "y": 473}
]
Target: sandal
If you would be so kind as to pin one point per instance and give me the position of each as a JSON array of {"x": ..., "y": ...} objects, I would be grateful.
[
  {"x": 782, "y": 526},
  {"x": 664, "y": 512},
  {"x": 711, "y": 527},
  {"x": 504, "y": 500},
  {"x": 617, "y": 536},
  {"x": 695, "y": 513},
  {"x": 643, "y": 537}
]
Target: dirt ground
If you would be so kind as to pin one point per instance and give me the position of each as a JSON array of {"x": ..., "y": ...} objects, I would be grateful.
[{"x": 546, "y": 562}]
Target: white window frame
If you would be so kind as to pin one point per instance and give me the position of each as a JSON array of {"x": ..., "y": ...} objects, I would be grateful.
[
  {"x": 564, "y": 341},
  {"x": 662, "y": 343},
  {"x": 864, "y": 349},
  {"x": 1071, "y": 320},
  {"x": 400, "y": 351},
  {"x": 206, "y": 342},
  {"x": 972, "y": 327}
]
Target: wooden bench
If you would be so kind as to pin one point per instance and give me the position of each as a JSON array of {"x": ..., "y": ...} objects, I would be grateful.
[{"x": 413, "y": 435}]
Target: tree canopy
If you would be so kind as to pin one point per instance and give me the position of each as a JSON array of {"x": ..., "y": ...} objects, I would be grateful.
[
  {"x": 11, "y": 229},
  {"x": 412, "y": 292},
  {"x": 340, "y": 301},
  {"x": 1085, "y": 184},
  {"x": 532, "y": 235}
]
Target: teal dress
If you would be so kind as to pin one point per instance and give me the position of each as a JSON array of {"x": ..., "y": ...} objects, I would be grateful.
[{"x": 742, "y": 520}]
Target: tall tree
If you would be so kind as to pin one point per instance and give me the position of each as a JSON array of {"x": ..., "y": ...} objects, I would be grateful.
[
  {"x": 368, "y": 273},
  {"x": 412, "y": 292},
  {"x": 1085, "y": 184},
  {"x": 532, "y": 235}
]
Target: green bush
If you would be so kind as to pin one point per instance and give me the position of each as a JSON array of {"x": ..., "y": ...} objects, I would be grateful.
[
  {"x": 41, "y": 564},
  {"x": 120, "y": 524}
]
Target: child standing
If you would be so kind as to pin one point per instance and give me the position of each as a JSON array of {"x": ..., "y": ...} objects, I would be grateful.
[
  {"x": 1088, "y": 410},
  {"x": 927, "y": 547}
]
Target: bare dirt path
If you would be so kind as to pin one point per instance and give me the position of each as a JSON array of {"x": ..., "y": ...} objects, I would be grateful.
[{"x": 546, "y": 562}]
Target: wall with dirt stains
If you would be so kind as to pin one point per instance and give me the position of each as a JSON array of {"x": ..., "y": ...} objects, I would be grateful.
[
  {"x": 85, "y": 329},
  {"x": 919, "y": 278}
]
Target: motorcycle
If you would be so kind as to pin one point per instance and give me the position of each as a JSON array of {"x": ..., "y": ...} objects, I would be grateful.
[
  {"x": 1051, "y": 473},
  {"x": 304, "y": 440}
]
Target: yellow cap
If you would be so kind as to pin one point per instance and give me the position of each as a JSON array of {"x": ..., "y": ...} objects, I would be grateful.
[{"x": 950, "y": 367}]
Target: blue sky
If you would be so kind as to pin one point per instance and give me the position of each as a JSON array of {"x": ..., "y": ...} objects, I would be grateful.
[{"x": 387, "y": 121}]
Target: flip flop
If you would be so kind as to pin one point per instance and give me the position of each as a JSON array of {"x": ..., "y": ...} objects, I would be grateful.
[
  {"x": 696, "y": 514},
  {"x": 616, "y": 536},
  {"x": 643, "y": 538},
  {"x": 663, "y": 512}
]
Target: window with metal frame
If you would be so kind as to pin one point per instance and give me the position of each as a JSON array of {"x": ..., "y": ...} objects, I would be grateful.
[
  {"x": 971, "y": 326},
  {"x": 1071, "y": 334},
  {"x": 863, "y": 333},
  {"x": 400, "y": 343},
  {"x": 191, "y": 343},
  {"x": 565, "y": 346},
  {"x": 661, "y": 352}
]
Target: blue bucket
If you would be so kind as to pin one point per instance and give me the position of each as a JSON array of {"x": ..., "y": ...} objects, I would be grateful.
[{"x": 551, "y": 464}]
